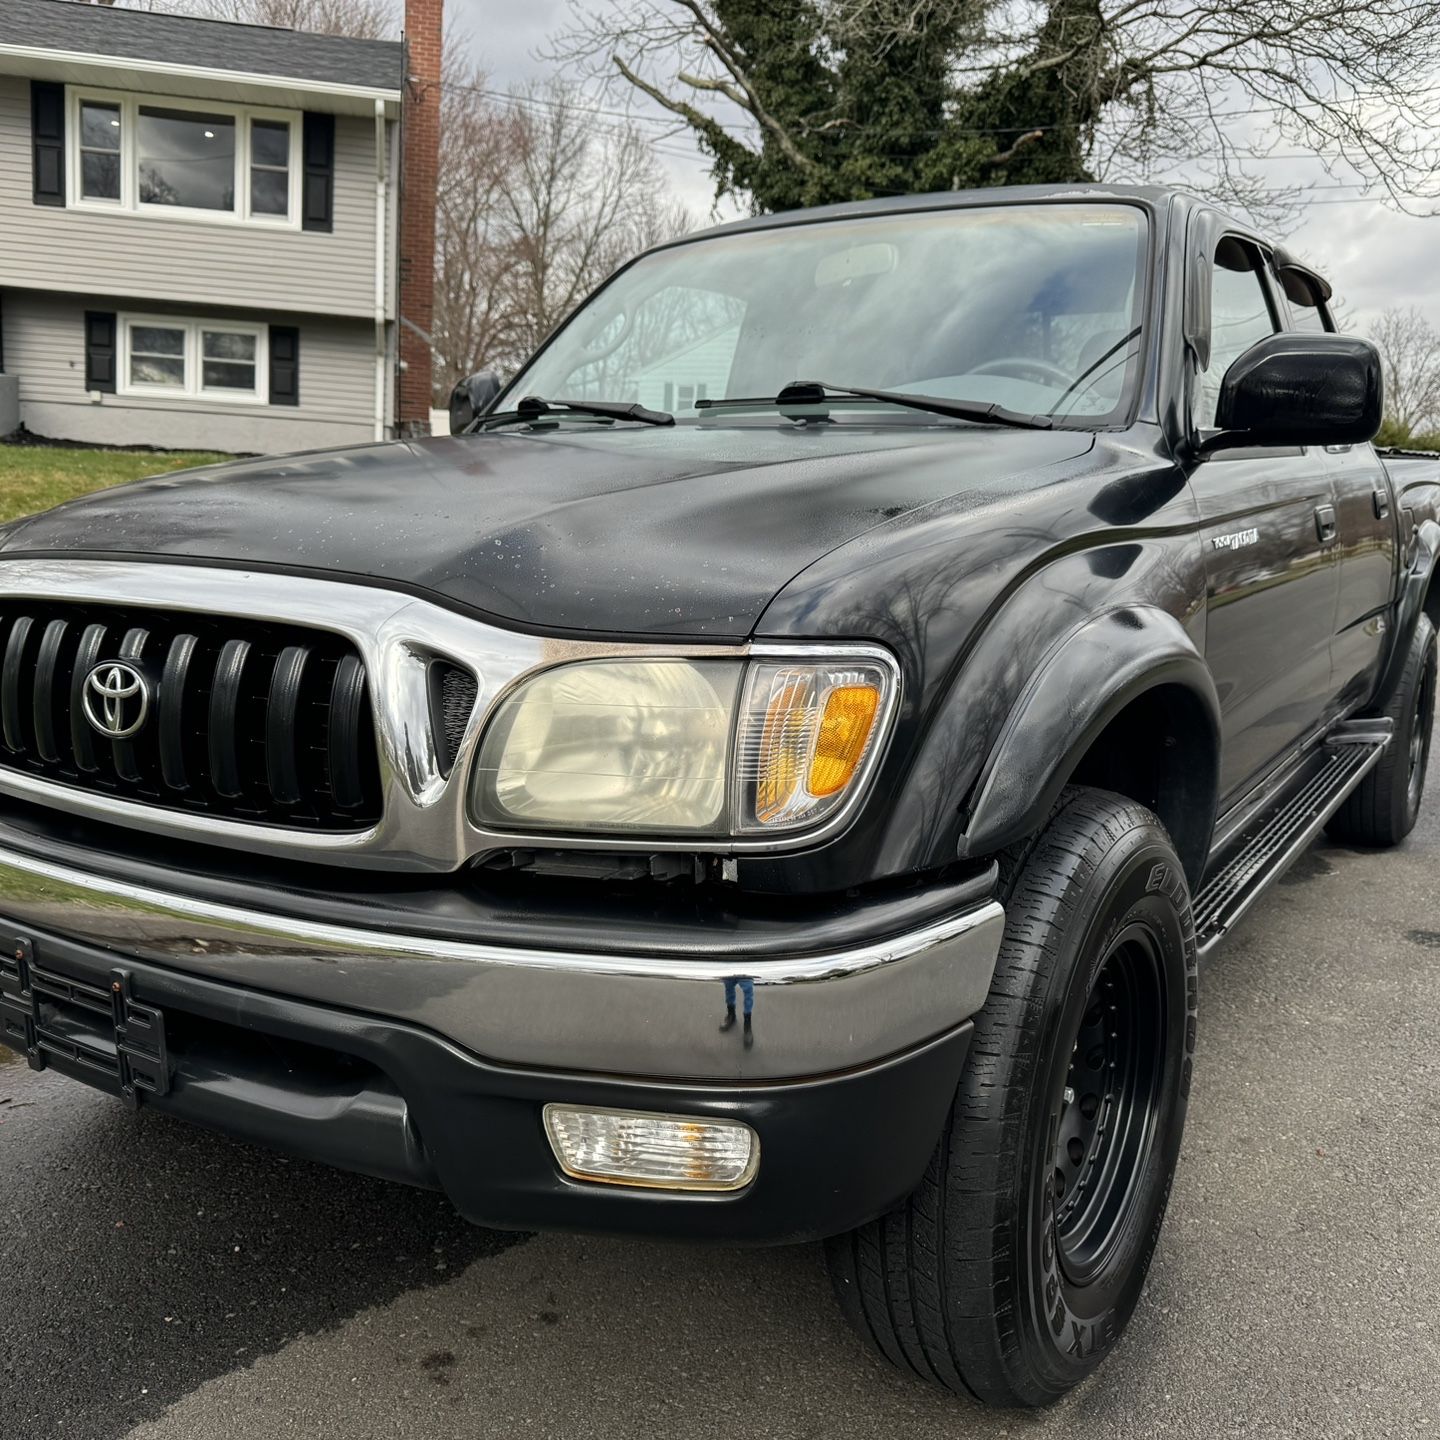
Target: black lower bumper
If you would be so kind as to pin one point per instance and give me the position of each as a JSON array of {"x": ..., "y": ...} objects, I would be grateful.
[{"x": 396, "y": 1101}]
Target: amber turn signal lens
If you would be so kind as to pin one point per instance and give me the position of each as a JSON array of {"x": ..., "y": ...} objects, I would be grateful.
[
  {"x": 807, "y": 733},
  {"x": 813, "y": 739},
  {"x": 844, "y": 731}
]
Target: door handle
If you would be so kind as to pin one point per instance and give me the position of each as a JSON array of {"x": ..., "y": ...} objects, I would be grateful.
[
  {"x": 1325, "y": 523},
  {"x": 1382, "y": 502}
]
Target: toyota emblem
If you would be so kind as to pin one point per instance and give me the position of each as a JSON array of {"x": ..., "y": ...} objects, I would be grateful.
[{"x": 116, "y": 699}]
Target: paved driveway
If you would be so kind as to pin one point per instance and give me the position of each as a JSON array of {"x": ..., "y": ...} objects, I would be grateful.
[{"x": 160, "y": 1282}]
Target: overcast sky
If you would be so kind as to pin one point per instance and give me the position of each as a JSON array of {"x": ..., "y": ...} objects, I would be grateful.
[{"x": 1374, "y": 257}]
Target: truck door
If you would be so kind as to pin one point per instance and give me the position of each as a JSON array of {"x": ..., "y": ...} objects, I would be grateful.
[
  {"x": 1269, "y": 527},
  {"x": 1367, "y": 547},
  {"x": 1367, "y": 530}
]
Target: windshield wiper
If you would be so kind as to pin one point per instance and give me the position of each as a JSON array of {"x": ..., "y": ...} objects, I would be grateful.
[
  {"x": 532, "y": 407},
  {"x": 1122, "y": 343},
  {"x": 816, "y": 392}
]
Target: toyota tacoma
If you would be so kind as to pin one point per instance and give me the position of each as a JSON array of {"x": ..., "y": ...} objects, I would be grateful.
[{"x": 771, "y": 774}]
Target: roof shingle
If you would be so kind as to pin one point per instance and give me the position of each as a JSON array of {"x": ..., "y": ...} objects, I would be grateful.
[{"x": 213, "y": 44}]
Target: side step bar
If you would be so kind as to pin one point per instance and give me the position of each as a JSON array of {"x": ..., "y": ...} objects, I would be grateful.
[{"x": 1276, "y": 835}]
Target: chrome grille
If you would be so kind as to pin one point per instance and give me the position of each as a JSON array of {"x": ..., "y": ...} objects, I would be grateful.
[{"x": 248, "y": 720}]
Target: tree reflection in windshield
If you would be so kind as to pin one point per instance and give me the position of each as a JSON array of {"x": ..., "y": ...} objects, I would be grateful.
[{"x": 1032, "y": 307}]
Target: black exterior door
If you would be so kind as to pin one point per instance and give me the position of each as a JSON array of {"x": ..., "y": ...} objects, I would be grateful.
[
  {"x": 1367, "y": 544},
  {"x": 1269, "y": 527},
  {"x": 1272, "y": 581}
]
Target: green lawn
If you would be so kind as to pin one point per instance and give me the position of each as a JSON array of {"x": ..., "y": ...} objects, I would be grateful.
[{"x": 35, "y": 477}]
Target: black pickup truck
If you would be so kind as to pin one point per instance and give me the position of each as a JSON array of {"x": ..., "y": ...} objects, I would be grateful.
[{"x": 771, "y": 776}]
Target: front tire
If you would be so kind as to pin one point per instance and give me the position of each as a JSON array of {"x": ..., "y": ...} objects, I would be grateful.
[
  {"x": 1383, "y": 808},
  {"x": 1014, "y": 1267}
]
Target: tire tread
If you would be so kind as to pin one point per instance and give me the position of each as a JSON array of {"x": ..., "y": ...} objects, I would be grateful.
[{"x": 932, "y": 1298}]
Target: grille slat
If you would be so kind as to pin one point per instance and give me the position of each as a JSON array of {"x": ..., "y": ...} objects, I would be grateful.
[
  {"x": 346, "y": 697},
  {"x": 46, "y": 669},
  {"x": 12, "y": 681},
  {"x": 82, "y": 737},
  {"x": 173, "y": 710},
  {"x": 127, "y": 762},
  {"x": 281, "y": 761},
  {"x": 248, "y": 720},
  {"x": 225, "y": 718}
]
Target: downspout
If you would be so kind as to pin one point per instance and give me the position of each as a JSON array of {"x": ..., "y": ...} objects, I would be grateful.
[{"x": 382, "y": 195}]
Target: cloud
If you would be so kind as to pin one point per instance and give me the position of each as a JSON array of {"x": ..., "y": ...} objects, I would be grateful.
[
  {"x": 1374, "y": 257},
  {"x": 509, "y": 52},
  {"x": 507, "y": 48}
]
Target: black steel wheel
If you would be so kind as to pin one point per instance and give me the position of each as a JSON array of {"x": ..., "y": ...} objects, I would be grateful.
[
  {"x": 1107, "y": 1105},
  {"x": 1014, "y": 1268}
]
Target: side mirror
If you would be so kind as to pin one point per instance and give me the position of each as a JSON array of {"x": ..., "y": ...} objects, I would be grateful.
[
  {"x": 471, "y": 397},
  {"x": 1300, "y": 390}
]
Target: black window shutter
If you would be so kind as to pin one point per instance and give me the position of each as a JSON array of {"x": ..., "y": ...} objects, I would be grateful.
[
  {"x": 284, "y": 365},
  {"x": 47, "y": 136},
  {"x": 317, "y": 204},
  {"x": 100, "y": 350}
]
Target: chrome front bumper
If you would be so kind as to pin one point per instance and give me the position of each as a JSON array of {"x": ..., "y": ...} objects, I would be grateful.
[{"x": 637, "y": 1015}]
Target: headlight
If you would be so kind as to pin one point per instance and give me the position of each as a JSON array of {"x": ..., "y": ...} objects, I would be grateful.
[
  {"x": 611, "y": 745},
  {"x": 682, "y": 747}
]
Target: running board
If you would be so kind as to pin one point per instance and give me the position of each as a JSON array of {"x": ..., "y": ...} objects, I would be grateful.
[{"x": 1277, "y": 834}]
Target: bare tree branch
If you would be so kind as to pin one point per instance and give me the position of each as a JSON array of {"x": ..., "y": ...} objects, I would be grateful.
[
  {"x": 1127, "y": 85},
  {"x": 536, "y": 205},
  {"x": 361, "y": 19},
  {"x": 1410, "y": 352}
]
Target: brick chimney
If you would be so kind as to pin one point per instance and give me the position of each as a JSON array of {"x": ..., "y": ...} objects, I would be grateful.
[{"x": 419, "y": 164}]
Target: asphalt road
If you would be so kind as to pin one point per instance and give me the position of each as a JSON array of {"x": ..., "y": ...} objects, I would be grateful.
[{"x": 162, "y": 1283}]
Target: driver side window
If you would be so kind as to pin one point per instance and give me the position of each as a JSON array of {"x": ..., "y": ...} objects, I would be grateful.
[{"x": 1240, "y": 314}]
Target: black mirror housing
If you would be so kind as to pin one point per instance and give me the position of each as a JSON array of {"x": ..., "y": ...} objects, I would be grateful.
[
  {"x": 1291, "y": 389},
  {"x": 473, "y": 396}
]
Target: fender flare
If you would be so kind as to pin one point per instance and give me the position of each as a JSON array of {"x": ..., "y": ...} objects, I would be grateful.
[
  {"x": 1414, "y": 586},
  {"x": 1087, "y": 679}
]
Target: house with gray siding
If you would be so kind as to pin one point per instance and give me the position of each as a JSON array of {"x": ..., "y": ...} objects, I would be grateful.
[{"x": 198, "y": 230}]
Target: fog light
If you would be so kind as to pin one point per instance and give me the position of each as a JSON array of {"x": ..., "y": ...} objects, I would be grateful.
[{"x": 666, "y": 1152}]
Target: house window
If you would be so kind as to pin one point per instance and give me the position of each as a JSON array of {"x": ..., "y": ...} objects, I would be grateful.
[
  {"x": 229, "y": 360},
  {"x": 186, "y": 159},
  {"x": 156, "y": 357},
  {"x": 193, "y": 359},
  {"x": 99, "y": 151},
  {"x": 270, "y": 167},
  {"x": 159, "y": 157}
]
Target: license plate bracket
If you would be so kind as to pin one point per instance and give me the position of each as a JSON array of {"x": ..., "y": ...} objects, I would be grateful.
[{"x": 94, "y": 1031}]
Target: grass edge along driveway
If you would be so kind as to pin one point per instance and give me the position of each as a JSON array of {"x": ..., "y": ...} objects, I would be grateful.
[{"x": 35, "y": 477}]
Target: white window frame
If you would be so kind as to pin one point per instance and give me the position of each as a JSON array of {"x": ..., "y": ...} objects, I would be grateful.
[
  {"x": 74, "y": 161},
  {"x": 193, "y": 388},
  {"x": 129, "y": 202}
]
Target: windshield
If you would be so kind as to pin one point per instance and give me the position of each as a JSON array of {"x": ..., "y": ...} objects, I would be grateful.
[{"x": 1032, "y": 307}]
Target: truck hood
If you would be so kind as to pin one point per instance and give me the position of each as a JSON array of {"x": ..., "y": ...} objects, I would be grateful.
[{"x": 683, "y": 531}]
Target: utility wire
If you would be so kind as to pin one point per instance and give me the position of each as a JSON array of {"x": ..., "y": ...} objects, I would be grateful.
[
  {"x": 685, "y": 152},
  {"x": 680, "y": 151},
  {"x": 634, "y": 118}
]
